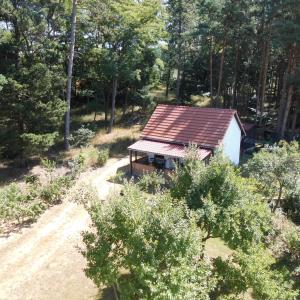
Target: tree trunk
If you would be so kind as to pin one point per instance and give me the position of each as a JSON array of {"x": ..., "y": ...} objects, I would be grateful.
[
  {"x": 264, "y": 70},
  {"x": 168, "y": 82},
  {"x": 211, "y": 72},
  {"x": 113, "y": 104},
  {"x": 125, "y": 102},
  {"x": 179, "y": 58},
  {"x": 106, "y": 100},
  {"x": 282, "y": 101},
  {"x": 295, "y": 116},
  {"x": 178, "y": 84},
  {"x": 221, "y": 73},
  {"x": 278, "y": 200},
  {"x": 70, "y": 71},
  {"x": 233, "y": 98},
  {"x": 286, "y": 105}
]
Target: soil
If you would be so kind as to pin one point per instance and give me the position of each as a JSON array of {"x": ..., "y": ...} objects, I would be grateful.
[{"x": 43, "y": 261}]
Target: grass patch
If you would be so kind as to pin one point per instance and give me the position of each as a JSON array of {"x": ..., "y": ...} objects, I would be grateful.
[{"x": 216, "y": 247}]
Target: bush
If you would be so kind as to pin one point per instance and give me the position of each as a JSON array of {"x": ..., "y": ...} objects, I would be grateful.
[
  {"x": 88, "y": 157},
  {"x": 119, "y": 177},
  {"x": 16, "y": 205},
  {"x": 38, "y": 143},
  {"x": 52, "y": 193},
  {"x": 31, "y": 179},
  {"x": 156, "y": 242},
  {"x": 81, "y": 137},
  {"x": 76, "y": 165},
  {"x": 152, "y": 181},
  {"x": 103, "y": 156}
]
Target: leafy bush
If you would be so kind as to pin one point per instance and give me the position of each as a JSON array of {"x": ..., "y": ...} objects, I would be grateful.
[
  {"x": 76, "y": 165},
  {"x": 119, "y": 177},
  {"x": 52, "y": 192},
  {"x": 31, "y": 179},
  {"x": 224, "y": 201},
  {"x": 154, "y": 241},
  {"x": 90, "y": 156},
  {"x": 277, "y": 171},
  {"x": 152, "y": 181},
  {"x": 103, "y": 156},
  {"x": 255, "y": 270},
  {"x": 16, "y": 205},
  {"x": 38, "y": 143},
  {"x": 81, "y": 137}
]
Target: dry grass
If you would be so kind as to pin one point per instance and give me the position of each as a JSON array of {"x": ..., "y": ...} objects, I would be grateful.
[
  {"x": 201, "y": 101},
  {"x": 118, "y": 141}
]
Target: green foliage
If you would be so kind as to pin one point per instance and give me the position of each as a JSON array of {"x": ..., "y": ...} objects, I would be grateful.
[
  {"x": 31, "y": 179},
  {"x": 48, "y": 165},
  {"x": 3, "y": 81},
  {"x": 53, "y": 192},
  {"x": 76, "y": 165},
  {"x": 81, "y": 137},
  {"x": 38, "y": 143},
  {"x": 154, "y": 241},
  {"x": 277, "y": 171},
  {"x": 17, "y": 205},
  {"x": 152, "y": 182},
  {"x": 103, "y": 156},
  {"x": 224, "y": 201},
  {"x": 119, "y": 177},
  {"x": 255, "y": 269}
]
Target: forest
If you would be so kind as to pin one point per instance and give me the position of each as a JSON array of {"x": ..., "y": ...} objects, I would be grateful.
[
  {"x": 78, "y": 81},
  {"x": 242, "y": 54}
]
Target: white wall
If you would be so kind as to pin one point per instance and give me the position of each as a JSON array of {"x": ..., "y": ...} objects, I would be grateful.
[{"x": 232, "y": 141}]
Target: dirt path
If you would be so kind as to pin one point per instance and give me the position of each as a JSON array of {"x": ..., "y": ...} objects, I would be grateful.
[{"x": 42, "y": 262}]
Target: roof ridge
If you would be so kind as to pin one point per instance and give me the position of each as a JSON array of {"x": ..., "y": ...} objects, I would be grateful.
[{"x": 197, "y": 107}]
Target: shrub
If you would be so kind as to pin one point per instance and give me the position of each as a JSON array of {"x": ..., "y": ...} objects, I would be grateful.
[
  {"x": 38, "y": 143},
  {"x": 119, "y": 177},
  {"x": 81, "y": 137},
  {"x": 52, "y": 193},
  {"x": 90, "y": 156},
  {"x": 11, "y": 200},
  {"x": 152, "y": 181},
  {"x": 103, "y": 156},
  {"x": 16, "y": 205},
  {"x": 31, "y": 179},
  {"x": 156, "y": 242},
  {"x": 76, "y": 165}
]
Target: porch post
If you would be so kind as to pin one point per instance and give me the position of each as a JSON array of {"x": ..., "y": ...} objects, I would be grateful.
[
  {"x": 135, "y": 155},
  {"x": 130, "y": 155}
]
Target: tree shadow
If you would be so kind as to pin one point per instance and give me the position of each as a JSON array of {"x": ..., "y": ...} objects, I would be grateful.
[
  {"x": 14, "y": 170},
  {"x": 118, "y": 148}
]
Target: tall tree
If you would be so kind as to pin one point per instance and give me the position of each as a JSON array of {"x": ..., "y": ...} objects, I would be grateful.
[{"x": 70, "y": 72}]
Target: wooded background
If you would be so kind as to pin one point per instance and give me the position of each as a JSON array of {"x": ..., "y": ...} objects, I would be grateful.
[{"x": 241, "y": 54}]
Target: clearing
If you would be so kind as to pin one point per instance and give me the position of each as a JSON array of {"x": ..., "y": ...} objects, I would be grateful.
[{"x": 43, "y": 261}]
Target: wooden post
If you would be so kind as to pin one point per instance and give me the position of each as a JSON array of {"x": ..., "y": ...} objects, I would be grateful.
[
  {"x": 135, "y": 155},
  {"x": 130, "y": 155}
]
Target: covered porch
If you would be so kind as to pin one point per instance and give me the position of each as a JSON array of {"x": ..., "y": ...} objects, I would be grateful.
[{"x": 148, "y": 156}]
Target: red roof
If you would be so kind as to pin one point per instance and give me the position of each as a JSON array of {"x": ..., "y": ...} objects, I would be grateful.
[
  {"x": 205, "y": 127},
  {"x": 167, "y": 149}
]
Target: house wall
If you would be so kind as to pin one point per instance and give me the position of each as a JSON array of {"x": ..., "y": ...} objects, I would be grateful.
[{"x": 232, "y": 141}]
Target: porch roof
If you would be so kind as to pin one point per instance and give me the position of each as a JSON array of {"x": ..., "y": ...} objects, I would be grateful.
[{"x": 172, "y": 150}]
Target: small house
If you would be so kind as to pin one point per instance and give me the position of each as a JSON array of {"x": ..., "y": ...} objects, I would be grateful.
[{"x": 172, "y": 128}]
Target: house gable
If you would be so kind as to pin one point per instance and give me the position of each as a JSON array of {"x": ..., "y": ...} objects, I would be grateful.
[{"x": 232, "y": 141}]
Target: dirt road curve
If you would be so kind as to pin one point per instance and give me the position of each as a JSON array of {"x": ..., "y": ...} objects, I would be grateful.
[{"x": 42, "y": 262}]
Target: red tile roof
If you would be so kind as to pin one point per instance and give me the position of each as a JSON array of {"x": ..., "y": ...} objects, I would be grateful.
[
  {"x": 167, "y": 149},
  {"x": 183, "y": 125}
]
